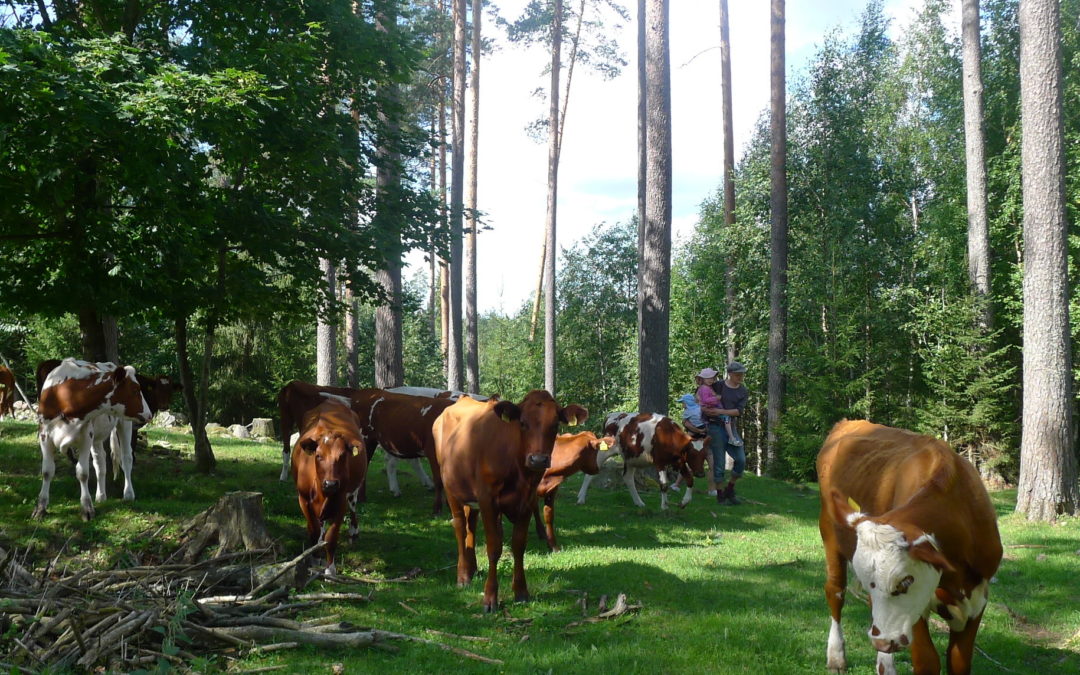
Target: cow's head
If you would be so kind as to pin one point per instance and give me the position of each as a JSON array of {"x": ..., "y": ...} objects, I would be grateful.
[
  {"x": 332, "y": 452},
  {"x": 539, "y": 417},
  {"x": 695, "y": 455},
  {"x": 598, "y": 452},
  {"x": 158, "y": 391},
  {"x": 128, "y": 395},
  {"x": 900, "y": 567}
]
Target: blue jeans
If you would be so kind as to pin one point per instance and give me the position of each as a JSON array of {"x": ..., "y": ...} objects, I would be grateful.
[{"x": 719, "y": 446}]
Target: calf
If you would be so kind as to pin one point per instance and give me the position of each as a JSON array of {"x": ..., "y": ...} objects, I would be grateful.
[
  {"x": 918, "y": 528},
  {"x": 329, "y": 465},
  {"x": 492, "y": 455},
  {"x": 645, "y": 440},
  {"x": 80, "y": 405},
  {"x": 7, "y": 392},
  {"x": 572, "y": 453},
  {"x": 401, "y": 425}
]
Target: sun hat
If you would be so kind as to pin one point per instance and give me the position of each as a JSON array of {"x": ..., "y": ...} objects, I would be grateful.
[
  {"x": 707, "y": 373},
  {"x": 736, "y": 367}
]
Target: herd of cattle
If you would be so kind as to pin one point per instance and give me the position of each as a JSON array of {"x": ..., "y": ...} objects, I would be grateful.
[{"x": 903, "y": 510}]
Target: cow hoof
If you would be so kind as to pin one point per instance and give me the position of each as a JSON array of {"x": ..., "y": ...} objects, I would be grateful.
[
  {"x": 39, "y": 512},
  {"x": 523, "y": 597},
  {"x": 88, "y": 514},
  {"x": 490, "y": 607}
]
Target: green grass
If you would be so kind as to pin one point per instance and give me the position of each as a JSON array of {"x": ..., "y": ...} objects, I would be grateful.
[{"x": 722, "y": 589}]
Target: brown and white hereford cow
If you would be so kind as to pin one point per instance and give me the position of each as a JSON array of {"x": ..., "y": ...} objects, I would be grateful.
[
  {"x": 401, "y": 425},
  {"x": 917, "y": 526},
  {"x": 80, "y": 405},
  {"x": 646, "y": 439},
  {"x": 7, "y": 392},
  {"x": 492, "y": 456},
  {"x": 329, "y": 465},
  {"x": 572, "y": 453}
]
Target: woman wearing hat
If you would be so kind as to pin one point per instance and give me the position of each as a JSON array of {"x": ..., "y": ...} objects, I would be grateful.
[{"x": 725, "y": 399}]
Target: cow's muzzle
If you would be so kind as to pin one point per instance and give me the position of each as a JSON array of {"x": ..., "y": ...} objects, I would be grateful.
[
  {"x": 330, "y": 487},
  {"x": 890, "y": 646},
  {"x": 538, "y": 462}
]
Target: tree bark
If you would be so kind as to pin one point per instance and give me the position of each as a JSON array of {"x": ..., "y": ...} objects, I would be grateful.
[
  {"x": 654, "y": 292},
  {"x": 326, "y": 334},
  {"x": 552, "y": 199},
  {"x": 1048, "y": 472},
  {"x": 352, "y": 341},
  {"x": 778, "y": 237},
  {"x": 195, "y": 396},
  {"x": 472, "y": 348},
  {"x": 978, "y": 229},
  {"x": 729, "y": 174},
  {"x": 111, "y": 332},
  {"x": 389, "y": 368},
  {"x": 457, "y": 187},
  {"x": 642, "y": 136},
  {"x": 92, "y": 336}
]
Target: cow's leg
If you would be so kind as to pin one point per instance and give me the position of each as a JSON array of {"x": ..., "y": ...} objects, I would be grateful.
[
  {"x": 549, "y": 521},
  {"x": 354, "y": 524},
  {"x": 961, "y": 646},
  {"x": 835, "y": 588},
  {"x": 286, "y": 448},
  {"x": 924, "y": 658},
  {"x": 330, "y": 536},
  {"x": 82, "y": 473},
  {"x": 664, "y": 487},
  {"x": 517, "y": 548},
  {"x": 421, "y": 475},
  {"x": 97, "y": 451},
  {"x": 459, "y": 519},
  {"x": 493, "y": 537},
  {"x": 391, "y": 474},
  {"x": 687, "y": 495},
  {"x": 584, "y": 488},
  {"x": 48, "y": 470},
  {"x": 886, "y": 665},
  {"x": 123, "y": 454},
  {"x": 628, "y": 478}
]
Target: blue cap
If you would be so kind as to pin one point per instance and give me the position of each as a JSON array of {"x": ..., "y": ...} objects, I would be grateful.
[{"x": 687, "y": 399}]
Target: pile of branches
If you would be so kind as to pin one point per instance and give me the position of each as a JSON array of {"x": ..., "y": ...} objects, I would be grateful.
[{"x": 179, "y": 613}]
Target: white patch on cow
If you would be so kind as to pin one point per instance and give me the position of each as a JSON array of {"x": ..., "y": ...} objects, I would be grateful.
[
  {"x": 836, "y": 654},
  {"x": 686, "y": 496},
  {"x": 69, "y": 369},
  {"x": 885, "y": 664},
  {"x": 391, "y": 474},
  {"x": 855, "y": 517},
  {"x": 343, "y": 400},
  {"x": 371, "y": 412},
  {"x": 901, "y": 588},
  {"x": 698, "y": 443},
  {"x": 424, "y": 410},
  {"x": 969, "y": 607}
]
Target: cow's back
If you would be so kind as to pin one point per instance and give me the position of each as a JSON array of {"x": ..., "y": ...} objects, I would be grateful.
[{"x": 469, "y": 440}]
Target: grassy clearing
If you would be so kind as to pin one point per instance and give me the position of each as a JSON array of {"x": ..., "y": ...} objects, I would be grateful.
[{"x": 722, "y": 589}]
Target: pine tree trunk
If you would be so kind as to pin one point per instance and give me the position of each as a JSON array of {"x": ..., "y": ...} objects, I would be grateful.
[
  {"x": 455, "y": 368},
  {"x": 1048, "y": 471},
  {"x": 194, "y": 397},
  {"x": 326, "y": 334},
  {"x": 111, "y": 333},
  {"x": 778, "y": 238},
  {"x": 729, "y": 174},
  {"x": 654, "y": 293},
  {"x": 472, "y": 348},
  {"x": 552, "y": 199},
  {"x": 978, "y": 229},
  {"x": 642, "y": 136},
  {"x": 352, "y": 341},
  {"x": 92, "y": 336}
]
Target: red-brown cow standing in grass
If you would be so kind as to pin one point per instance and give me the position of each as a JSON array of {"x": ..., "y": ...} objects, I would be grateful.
[
  {"x": 295, "y": 400},
  {"x": 572, "y": 453},
  {"x": 329, "y": 464},
  {"x": 80, "y": 405},
  {"x": 7, "y": 392},
  {"x": 493, "y": 455},
  {"x": 914, "y": 521}
]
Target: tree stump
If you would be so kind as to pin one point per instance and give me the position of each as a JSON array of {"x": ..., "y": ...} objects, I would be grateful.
[
  {"x": 236, "y": 522},
  {"x": 263, "y": 427}
]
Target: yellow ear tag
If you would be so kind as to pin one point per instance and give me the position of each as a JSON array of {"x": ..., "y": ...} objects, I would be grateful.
[
  {"x": 506, "y": 418},
  {"x": 603, "y": 446},
  {"x": 573, "y": 421},
  {"x": 853, "y": 504}
]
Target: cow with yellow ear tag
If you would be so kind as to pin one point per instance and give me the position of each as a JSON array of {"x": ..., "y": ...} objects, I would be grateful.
[{"x": 573, "y": 452}]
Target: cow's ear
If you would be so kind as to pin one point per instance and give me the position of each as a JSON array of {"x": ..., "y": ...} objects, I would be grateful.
[
  {"x": 845, "y": 511},
  {"x": 507, "y": 411},
  {"x": 926, "y": 550},
  {"x": 573, "y": 415},
  {"x": 308, "y": 445}
]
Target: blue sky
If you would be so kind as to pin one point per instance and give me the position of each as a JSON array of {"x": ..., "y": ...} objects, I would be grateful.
[{"x": 598, "y": 174}]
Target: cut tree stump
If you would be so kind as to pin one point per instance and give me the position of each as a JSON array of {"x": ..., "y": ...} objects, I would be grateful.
[
  {"x": 262, "y": 427},
  {"x": 236, "y": 523}
]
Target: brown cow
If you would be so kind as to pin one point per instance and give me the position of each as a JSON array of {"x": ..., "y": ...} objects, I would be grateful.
[
  {"x": 329, "y": 464},
  {"x": 81, "y": 404},
  {"x": 572, "y": 453},
  {"x": 401, "y": 425},
  {"x": 920, "y": 532},
  {"x": 295, "y": 399},
  {"x": 7, "y": 392},
  {"x": 493, "y": 454},
  {"x": 652, "y": 440}
]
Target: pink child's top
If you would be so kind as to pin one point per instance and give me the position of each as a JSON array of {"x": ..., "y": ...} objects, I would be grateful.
[{"x": 707, "y": 397}]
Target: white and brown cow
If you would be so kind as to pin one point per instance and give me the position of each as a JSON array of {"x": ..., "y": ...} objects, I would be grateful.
[
  {"x": 646, "y": 439},
  {"x": 80, "y": 406},
  {"x": 917, "y": 526}
]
